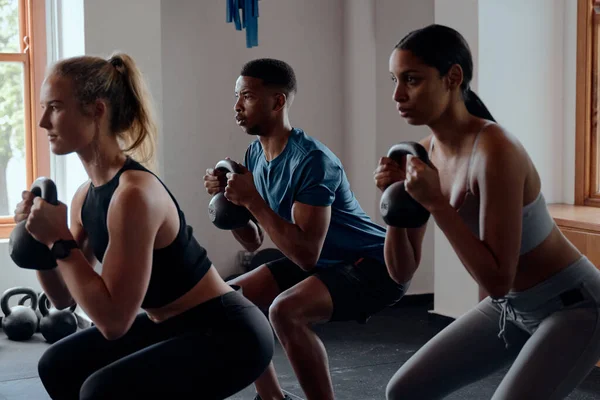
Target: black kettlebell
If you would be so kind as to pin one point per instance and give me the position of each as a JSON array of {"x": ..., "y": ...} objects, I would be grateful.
[
  {"x": 397, "y": 207},
  {"x": 37, "y": 310},
  {"x": 223, "y": 213},
  {"x": 56, "y": 324},
  {"x": 24, "y": 250},
  {"x": 19, "y": 322}
]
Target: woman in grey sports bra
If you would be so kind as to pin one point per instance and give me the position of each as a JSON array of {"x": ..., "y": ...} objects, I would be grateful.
[{"x": 485, "y": 194}]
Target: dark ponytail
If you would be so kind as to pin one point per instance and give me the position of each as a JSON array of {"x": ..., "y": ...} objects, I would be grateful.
[
  {"x": 442, "y": 47},
  {"x": 476, "y": 107}
]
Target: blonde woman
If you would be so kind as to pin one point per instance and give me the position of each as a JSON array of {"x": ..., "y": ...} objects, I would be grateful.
[{"x": 189, "y": 341}]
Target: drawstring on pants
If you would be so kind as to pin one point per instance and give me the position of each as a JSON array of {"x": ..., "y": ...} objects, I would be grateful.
[{"x": 507, "y": 308}]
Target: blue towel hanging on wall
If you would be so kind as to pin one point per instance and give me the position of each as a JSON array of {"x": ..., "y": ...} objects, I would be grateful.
[{"x": 248, "y": 20}]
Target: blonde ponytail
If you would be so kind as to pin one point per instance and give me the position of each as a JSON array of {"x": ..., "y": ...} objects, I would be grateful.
[
  {"x": 137, "y": 129},
  {"x": 119, "y": 81}
]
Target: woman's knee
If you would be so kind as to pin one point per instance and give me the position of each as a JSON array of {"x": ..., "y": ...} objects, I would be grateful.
[
  {"x": 54, "y": 369},
  {"x": 396, "y": 388},
  {"x": 412, "y": 383},
  {"x": 50, "y": 362},
  {"x": 102, "y": 384}
]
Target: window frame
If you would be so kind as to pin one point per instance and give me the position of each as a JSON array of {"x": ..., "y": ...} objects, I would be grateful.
[
  {"x": 33, "y": 55},
  {"x": 587, "y": 190}
]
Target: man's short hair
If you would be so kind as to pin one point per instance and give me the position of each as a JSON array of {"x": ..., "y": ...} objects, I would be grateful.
[{"x": 272, "y": 72}]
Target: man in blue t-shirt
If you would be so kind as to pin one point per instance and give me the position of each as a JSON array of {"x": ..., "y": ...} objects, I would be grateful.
[{"x": 298, "y": 192}]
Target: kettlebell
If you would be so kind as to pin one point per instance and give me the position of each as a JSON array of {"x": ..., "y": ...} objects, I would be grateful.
[
  {"x": 19, "y": 322},
  {"x": 37, "y": 310},
  {"x": 397, "y": 207},
  {"x": 24, "y": 250},
  {"x": 56, "y": 324},
  {"x": 223, "y": 213}
]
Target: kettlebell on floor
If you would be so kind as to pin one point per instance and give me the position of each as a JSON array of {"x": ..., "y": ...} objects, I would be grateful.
[
  {"x": 22, "y": 302},
  {"x": 20, "y": 322},
  {"x": 56, "y": 324}
]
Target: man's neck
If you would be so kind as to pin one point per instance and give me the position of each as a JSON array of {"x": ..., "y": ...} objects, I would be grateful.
[{"x": 274, "y": 142}]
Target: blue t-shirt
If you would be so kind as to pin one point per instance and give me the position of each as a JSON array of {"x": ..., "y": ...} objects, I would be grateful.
[{"x": 308, "y": 172}]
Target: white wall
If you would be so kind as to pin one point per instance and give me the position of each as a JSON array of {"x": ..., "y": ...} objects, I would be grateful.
[
  {"x": 202, "y": 57},
  {"x": 455, "y": 290},
  {"x": 67, "y": 33},
  {"x": 360, "y": 101},
  {"x": 344, "y": 93},
  {"x": 199, "y": 76},
  {"x": 521, "y": 79},
  {"x": 526, "y": 77},
  {"x": 64, "y": 38},
  {"x": 77, "y": 27},
  {"x": 133, "y": 27},
  {"x": 345, "y": 101},
  {"x": 393, "y": 20},
  {"x": 372, "y": 124}
]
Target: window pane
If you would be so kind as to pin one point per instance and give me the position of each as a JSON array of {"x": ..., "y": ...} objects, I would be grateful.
[
  {"x": 12, "y": 136},
  {"x": 9, "y": 26}
]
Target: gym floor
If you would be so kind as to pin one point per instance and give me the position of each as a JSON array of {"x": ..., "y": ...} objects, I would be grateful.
[{"x": 362, "y": 358}]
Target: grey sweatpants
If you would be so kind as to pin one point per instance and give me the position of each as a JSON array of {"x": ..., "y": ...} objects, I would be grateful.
[{"x": 550, "y": 333}]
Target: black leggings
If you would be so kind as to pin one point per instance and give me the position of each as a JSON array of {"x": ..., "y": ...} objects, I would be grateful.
[{"x": 209, "y": 352}]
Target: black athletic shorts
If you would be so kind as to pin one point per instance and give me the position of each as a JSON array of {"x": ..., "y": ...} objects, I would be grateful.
[{"x": 358, "y": 290}]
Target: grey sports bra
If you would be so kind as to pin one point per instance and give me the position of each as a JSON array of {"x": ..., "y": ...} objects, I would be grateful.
[{"x": 537, "y": 222}]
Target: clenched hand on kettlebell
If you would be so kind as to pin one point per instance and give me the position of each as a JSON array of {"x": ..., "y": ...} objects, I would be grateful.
[
  {"x": 397, "y": 207},
  {"x": 223, "y": 213},
  {"x": 24, "y": 250}
]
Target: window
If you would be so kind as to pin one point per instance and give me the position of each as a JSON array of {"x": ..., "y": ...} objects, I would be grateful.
[
  {"x": 24, "y": 153},
  {"x": 587, "y": 168}
]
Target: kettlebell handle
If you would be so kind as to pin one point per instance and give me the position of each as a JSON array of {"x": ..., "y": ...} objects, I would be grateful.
[
  {"x": 228, "y": 166},
  {"x": 8, "y": 293},
  {"x": 396, "y": 152},
  {"x": 45, "y": 304},
  {"x": 46, "y": 189},
  {"x": 24, "y": 299}
]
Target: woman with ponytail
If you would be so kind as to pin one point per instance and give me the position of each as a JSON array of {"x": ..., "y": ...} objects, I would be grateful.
[
  {"x": 197, "y": 337},
  {"x": 484, "y": 193}
]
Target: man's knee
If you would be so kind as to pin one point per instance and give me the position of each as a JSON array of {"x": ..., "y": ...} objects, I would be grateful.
[
  {"x": 308, "y": 302},
  {"x": 281, "y": 310},
  {"x": 285, "y": 310}
]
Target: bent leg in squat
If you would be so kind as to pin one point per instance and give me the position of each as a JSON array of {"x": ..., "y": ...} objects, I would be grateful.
[
  {"x": 66, "y": 364},
  {"x": 261, "y": 288},
  {"x": 465, "y": 351},
  {"x": 291, "y": 314}
]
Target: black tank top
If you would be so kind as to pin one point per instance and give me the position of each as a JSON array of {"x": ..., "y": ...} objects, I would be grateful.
[{"x": 175, "y": 268}]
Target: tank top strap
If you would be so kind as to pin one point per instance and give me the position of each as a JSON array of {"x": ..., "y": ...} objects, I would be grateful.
[{"x": 472, "y": 153}]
